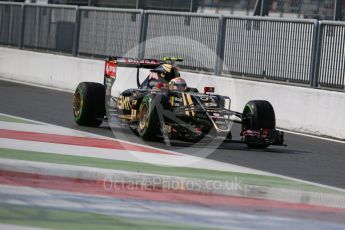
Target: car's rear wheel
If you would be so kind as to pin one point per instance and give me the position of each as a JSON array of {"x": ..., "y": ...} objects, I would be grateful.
[
  {"x": 148, "y": 124},
  {"x": 258, "y": 114},
  {"x": 89, "y": 104}
]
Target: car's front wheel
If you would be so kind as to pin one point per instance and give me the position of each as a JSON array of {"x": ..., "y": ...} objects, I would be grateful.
[
  {"x": 258, "y": 114},
  {"x": 148, "y": 124}
]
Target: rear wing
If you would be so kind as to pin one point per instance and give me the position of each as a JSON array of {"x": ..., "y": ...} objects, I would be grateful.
[
  {"x": 111, "y": 64},
  {"x": 143, "y": 63}
]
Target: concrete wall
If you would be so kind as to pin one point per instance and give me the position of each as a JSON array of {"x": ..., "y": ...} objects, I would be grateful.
[
  {"x": 47, "y": 69},
  {"x": 299, "y": 109}
]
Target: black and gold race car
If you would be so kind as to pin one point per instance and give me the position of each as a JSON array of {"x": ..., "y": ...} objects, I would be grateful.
[{"x": 158, "y": 108}]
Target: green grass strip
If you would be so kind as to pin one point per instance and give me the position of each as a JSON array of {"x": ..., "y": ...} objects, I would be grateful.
[
  {"x": 242, "y": 178},
  {"x": 72, "y": 220}
]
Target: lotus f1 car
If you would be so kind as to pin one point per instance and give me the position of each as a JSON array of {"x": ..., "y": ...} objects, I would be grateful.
[{"x": 154, "y": 110}]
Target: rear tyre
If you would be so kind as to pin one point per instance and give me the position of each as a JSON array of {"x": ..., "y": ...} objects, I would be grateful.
[
  {"x": 89, "y": 104},
  {"x": 258, "y": 114},
  {"x": 149, "y": 124}
]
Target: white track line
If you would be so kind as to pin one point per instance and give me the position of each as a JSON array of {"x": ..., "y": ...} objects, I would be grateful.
[{"x": 313, "y": 136}]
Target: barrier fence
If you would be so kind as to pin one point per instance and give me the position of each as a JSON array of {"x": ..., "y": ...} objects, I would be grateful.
[
  {"x": 303, "y": 51},
  {"x": 331, "y": 66},
  {"x": 274, "y": 49},
  {"x": 104, "y": 32},
  {"x": 10, "y": 23},
  {"x": 49, "y": 28},
  {"x": 191, "y": 36}
]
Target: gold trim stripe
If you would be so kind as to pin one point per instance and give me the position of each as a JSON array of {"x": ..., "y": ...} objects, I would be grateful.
[
  {"x": 190, "y": 104},
  {"x": 185, "y": 104}
]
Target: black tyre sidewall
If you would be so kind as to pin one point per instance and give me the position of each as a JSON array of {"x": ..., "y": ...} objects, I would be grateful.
[
  {"x": 92, "y": 110},
  {"x": 151, "y": 130},
  {"x": 261, "y": 115}
]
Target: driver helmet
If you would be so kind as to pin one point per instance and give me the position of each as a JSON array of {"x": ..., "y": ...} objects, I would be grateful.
[
  {"x": 178, "y": 84},
  {"x": 166, "y": 71}
]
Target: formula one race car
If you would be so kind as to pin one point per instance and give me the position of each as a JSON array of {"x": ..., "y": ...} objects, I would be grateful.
[{"x": 162, "y": 106}]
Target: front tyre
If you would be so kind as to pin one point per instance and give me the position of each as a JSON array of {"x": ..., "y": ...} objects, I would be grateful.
[
  {"x": 148, "y": 124},
  {"x": 257, "y": 115},
  {"x": 89, "y": 104}
]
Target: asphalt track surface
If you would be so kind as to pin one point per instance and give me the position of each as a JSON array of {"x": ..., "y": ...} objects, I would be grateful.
[{"x": 306, "y": 158}]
